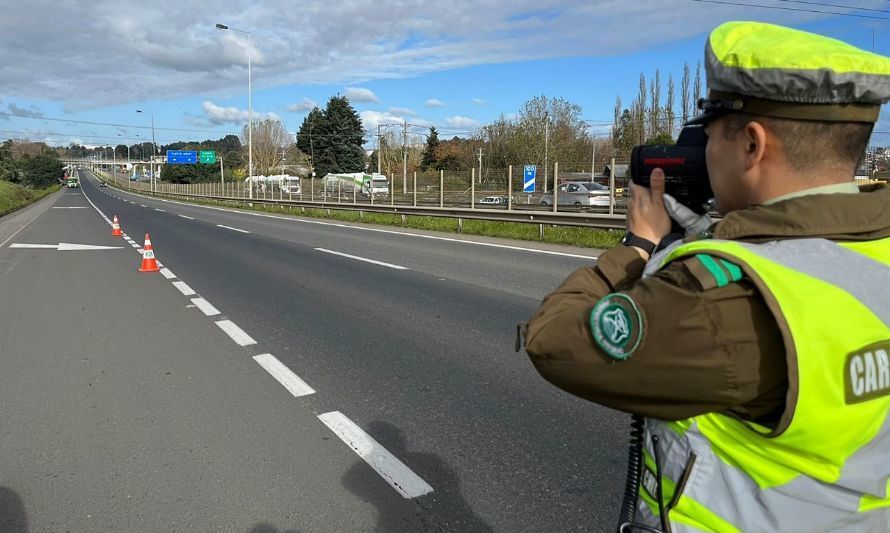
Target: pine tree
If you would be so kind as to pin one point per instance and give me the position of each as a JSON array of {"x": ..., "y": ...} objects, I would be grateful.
[
  {"x": 341, "y": 139},
  {"x": 309, "y": 133},
  {"x": 684, "y": 93},
  {"x": 429, "y": 153}
]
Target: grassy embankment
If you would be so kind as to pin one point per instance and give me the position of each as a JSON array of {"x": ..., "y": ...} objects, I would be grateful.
[
  {"x": 572, "y": 236},
  {"x": 13, "y": 197}
]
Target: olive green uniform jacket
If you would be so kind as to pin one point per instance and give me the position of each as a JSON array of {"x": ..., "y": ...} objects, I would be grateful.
[{"x": 704, "y": 348}]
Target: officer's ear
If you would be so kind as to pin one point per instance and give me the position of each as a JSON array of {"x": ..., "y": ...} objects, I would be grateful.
[{"x": 754, "y": 138}]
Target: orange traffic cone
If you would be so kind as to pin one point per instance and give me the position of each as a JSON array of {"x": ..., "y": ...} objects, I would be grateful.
[
  {"x": 149, "y": 263},
  {"x": 116, "y": 228}
]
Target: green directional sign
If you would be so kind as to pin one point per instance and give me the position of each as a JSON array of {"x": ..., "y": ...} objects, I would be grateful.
[{"x": 207, "y": 156}]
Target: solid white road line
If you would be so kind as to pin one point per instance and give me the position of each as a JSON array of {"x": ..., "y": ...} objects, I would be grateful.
[
  {"x": 399, "y": 476},
  {"x": 190, "y": 218},
  {"x": 183, "y": 288},
  {"x": 231, "y": 228},
  {"x": 167, "y": 274},
  {"x": 61, "y": 207},
  {"x": 237, "y": 334},
  {"x": 365, "y": 259},
  {"x": 284, "y": 375},
  {"x": 205, "y": 306}
]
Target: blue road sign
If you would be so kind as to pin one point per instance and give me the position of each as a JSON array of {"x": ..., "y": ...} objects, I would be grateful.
[
  {"x": 182, "y": 157},
  {"x": 528, "y": 182}
]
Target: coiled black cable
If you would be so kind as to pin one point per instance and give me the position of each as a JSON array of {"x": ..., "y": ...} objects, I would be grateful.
[
  {"x": 634, "y": 478},
  {"x": 634, "y": 472}
]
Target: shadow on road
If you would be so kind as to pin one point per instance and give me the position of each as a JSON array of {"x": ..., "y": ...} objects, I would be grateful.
[
  {"x": 12, "y": 512},
  {"x": 443, "y": 509}
]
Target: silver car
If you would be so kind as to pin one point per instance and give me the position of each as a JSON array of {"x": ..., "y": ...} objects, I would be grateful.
[{"x": 579, "y": 194}]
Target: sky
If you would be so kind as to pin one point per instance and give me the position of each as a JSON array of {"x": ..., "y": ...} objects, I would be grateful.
[{"x": 78, "y": 71}]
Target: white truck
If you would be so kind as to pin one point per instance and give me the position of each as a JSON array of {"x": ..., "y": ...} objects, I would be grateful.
[{"x": 376, "y": 184}]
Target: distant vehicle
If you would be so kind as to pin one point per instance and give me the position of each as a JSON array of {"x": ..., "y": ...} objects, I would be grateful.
[
  {"x": 103, "y": 184},
  {"x": 73, "y": 182},
  {"x": 290, "y": 185},
  {"x": 493, "y": 200},
  {"x": 364, "y": 184},
  {"x": 579, "y": 194}
]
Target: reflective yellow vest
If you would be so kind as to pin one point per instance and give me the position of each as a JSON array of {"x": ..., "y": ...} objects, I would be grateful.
[{"x": 826, "y": 467}]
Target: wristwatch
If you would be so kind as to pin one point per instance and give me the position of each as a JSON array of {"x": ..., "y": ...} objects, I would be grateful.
[{"x": 633, "y": 240}]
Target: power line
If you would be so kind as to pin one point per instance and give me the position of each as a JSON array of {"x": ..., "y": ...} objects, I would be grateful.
[
  {"x": 823, "y": 4},
  {"x": 801, "y": 10},
  {"x": 72, "y": 121}
]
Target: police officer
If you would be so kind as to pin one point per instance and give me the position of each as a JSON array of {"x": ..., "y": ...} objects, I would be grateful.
[{"x": 757, "y": 349}]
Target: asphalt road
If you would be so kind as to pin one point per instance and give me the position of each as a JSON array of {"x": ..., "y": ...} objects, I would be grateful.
[{"x": 126, "y": 408}]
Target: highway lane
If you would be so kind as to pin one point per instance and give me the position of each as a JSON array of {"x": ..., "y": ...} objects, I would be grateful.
[
  {"x": 420, "y": 358},
  {"x": 125, "y": 408},
  {"x": 486, "y": 262}
]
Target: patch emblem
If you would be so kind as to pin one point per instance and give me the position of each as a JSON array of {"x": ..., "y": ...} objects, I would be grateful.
[{"x": 617, "y": 325}]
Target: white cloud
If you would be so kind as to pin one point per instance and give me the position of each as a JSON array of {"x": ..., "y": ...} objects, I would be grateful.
[
  {"x": 402, "y": 111},
  {"x": 218, "y": 115},
  {"x": 303, "y": 106},
  {"x": 434, "y": 102},
  {"x": 478, "y": 101},
  {"x": 146, "y": 54},
  {"x": 360, "y": 94},
  {"x": 458, "y": 121},
  {"x": 370, "y": 119},
  {"x": 28, "y": 112}
]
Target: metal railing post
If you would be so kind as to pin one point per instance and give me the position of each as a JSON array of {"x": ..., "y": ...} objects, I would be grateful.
[
  {"x": 473, "y": 188},
  {"x": 441, "y": 188},
  {"x": 510, "y": 188},
  {"x": 612, "y": 188},
  {"x": 555, "y": 185},
  {"x": 415, "y": 188}
]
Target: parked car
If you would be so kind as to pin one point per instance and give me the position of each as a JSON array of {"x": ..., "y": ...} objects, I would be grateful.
[
  {"x": 579, "y": 194},
  {"x": 493, "y": 200}
]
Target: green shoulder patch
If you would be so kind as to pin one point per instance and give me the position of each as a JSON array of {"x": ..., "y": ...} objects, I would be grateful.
[
  {"x": 617, "y": 325},
  {"x": 711, "y": 272}
]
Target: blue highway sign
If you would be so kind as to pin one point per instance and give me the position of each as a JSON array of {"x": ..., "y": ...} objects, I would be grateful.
[
  {"x": 182, "y": 157},
  {"x": 528, "y": 182}
]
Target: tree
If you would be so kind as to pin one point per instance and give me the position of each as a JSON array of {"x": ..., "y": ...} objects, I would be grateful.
[
  {"x": 338, "y": 147},
  {"x": 684, "y": 93},
  {"x": 269, "y": 142},
  {"x": 696, "y": 88},
  {"x": 42, "y": 170},
  {"x": 661, "y": 138},
  {"x": 655, "y": 122},
  {"x": 312, "y": 123},
  {"x": 429, "y": 154},
  {"x": 668, "y": 113}
]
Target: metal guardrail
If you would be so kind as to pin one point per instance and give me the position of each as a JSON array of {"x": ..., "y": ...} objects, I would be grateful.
[{"x": 582, "y": 219}]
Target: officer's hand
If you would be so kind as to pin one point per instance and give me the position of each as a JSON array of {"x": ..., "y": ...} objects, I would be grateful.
[
  {"x": 646, "y": 214},
  {"x": 691, "y": 221}
]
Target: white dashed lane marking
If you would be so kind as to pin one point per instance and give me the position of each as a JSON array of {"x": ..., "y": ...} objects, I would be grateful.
[
  {"x": 365, "y": 259},
  {"x": 237, "y": 334},
  {"x": 205, "y": 306},
  {"x": 167, "y": 274},
  {"x": 183, "y": 216},
  {"x": 284, "y": 375},
  {"x": 231, "y": 228},
  {"x": 183, "y": 288},
  {"x": 393, "y": 471}
]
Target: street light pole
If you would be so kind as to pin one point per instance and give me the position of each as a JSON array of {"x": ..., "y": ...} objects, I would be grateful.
[
  {"x": 249, "y": 108},
  {"x": 154, "y": 149}
]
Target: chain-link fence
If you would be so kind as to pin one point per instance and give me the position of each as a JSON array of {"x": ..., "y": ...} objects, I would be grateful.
[{"x": 577, "y": 189}]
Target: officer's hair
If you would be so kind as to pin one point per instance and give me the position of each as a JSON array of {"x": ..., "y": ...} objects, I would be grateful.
[{"x": 810, "y": 144}]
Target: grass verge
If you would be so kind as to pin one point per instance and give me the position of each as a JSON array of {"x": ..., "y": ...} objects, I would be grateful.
[{"x": 14, "y": 197}]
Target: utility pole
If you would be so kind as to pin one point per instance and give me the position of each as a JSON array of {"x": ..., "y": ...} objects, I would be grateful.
[
  {"x": 379, "y": 149},
  {"x": 480, "y": 165},
  {"x": 404, "y": 157},
  {"x": 546, "y": 149}
]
